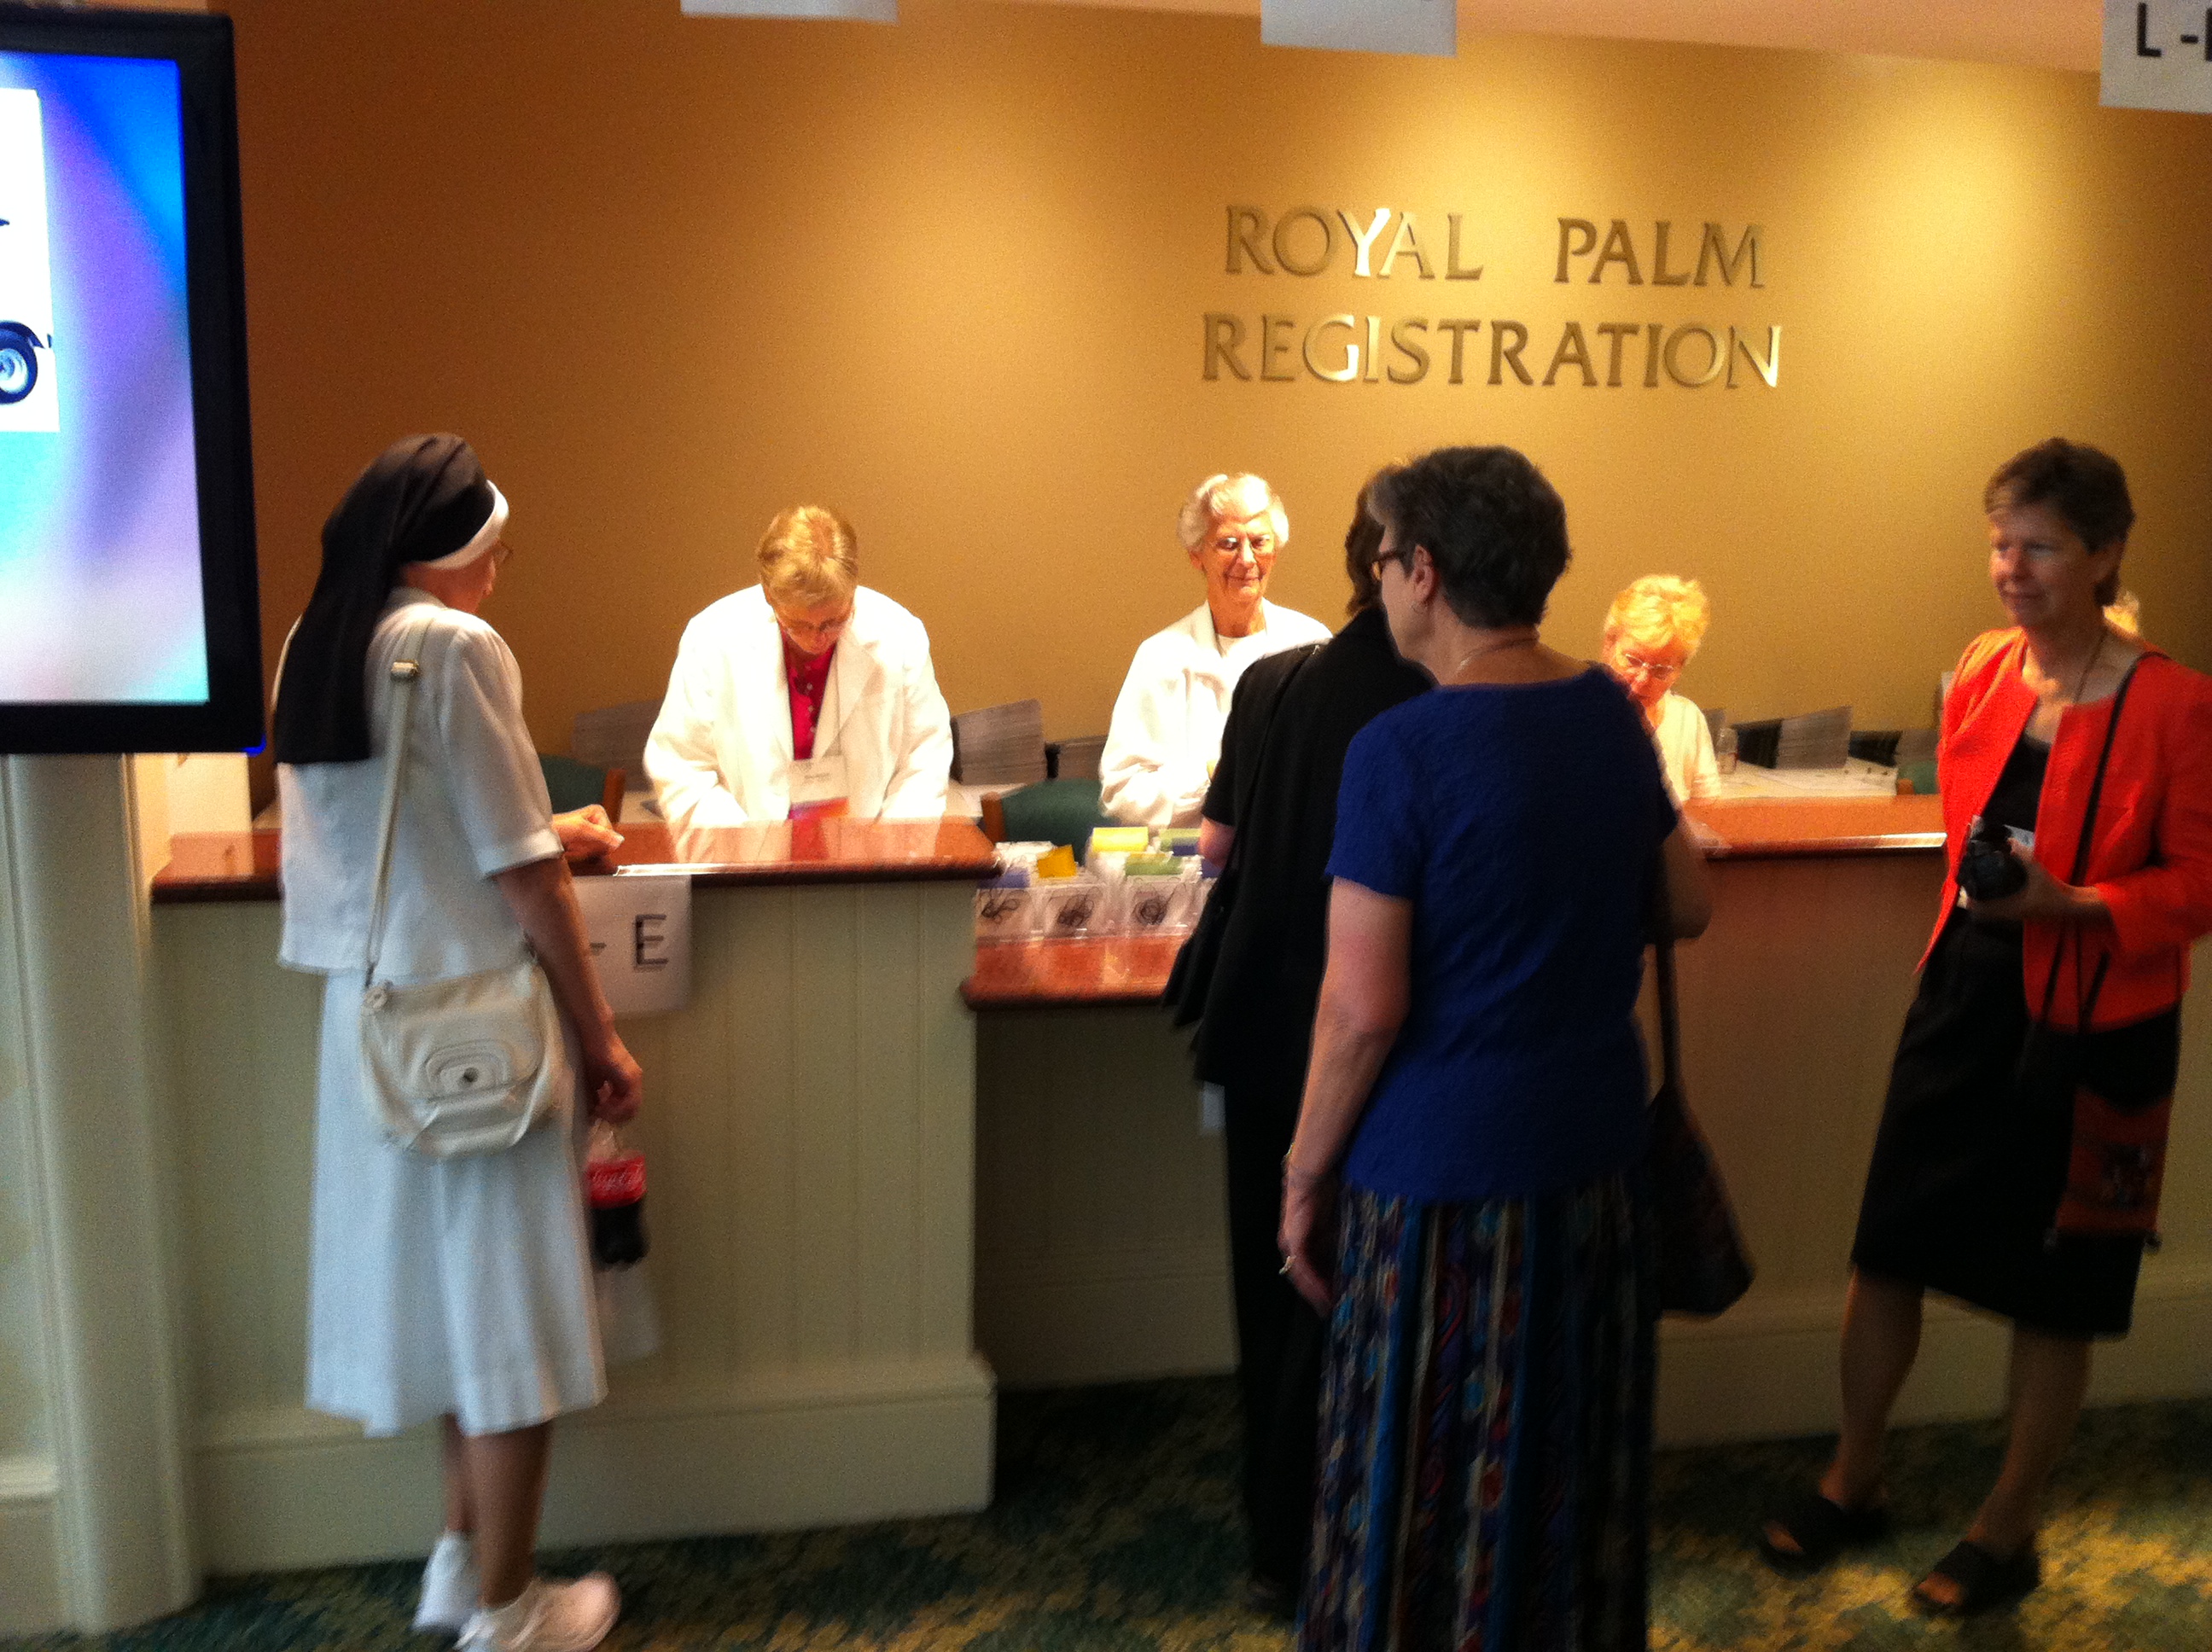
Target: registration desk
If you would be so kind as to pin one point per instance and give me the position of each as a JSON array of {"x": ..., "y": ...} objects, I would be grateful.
[
  {"x": 867, "y": 1197},
  {"x": 809, "y": 1130},
  {"x": 1100, "y": 1238}
]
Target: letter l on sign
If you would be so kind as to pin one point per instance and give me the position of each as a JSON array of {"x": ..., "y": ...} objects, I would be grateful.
[{"x": 2158, "y": 55}]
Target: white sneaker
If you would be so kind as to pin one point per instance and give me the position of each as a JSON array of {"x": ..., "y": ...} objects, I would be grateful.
[
  {"x": 548, "y": 1616},
  {"x": 451, "y": 1588}
]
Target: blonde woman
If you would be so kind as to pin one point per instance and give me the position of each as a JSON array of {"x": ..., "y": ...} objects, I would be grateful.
[
  {"x": 1651, "y": 632},
  {"x": 807, "y": 694}
]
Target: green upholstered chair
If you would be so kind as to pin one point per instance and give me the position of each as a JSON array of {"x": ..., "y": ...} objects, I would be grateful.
[
  {"x": 574, "y": 785},
  {"x": 1051, "y": 811}
]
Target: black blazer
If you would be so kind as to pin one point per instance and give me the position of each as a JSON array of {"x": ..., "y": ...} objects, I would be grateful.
[{"x": 1282, "y": 761}]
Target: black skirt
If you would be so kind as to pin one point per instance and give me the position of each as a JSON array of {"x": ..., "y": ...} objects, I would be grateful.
[{"x": 1966, "y": 1176}]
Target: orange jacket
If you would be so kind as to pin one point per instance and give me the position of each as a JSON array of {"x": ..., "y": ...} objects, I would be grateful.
[{"x": 2152, "y": 856}]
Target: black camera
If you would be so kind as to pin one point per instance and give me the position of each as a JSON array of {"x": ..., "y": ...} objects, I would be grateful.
[{"x": 1988, "y": 869}]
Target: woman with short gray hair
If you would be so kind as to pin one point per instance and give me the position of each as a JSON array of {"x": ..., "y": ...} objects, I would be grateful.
[
  {"x": 1462, "y": 1194},
  {"x": 1166, "y": 731}
]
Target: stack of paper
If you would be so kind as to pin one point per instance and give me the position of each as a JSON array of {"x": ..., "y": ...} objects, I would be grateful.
[
  {"x": 1078, "y": 758},
  {"x": 999, "y": 745},
  {"x": 1818, "y": 739},
  {"x": 613, "y": 736}
]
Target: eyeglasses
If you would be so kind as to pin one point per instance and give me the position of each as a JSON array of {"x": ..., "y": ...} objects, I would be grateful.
[
  {"x": 801, "y": 630},
  {"x": 1233, "y": 545},
  {"x": 1643, "y": 665},
  {"x": 500, "y": 553}
]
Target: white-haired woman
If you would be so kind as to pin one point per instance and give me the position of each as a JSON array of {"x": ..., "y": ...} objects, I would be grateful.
[
  {"x": 806, "y": 695},
  {"x": 1651, "y": 631},
  {"x": 1166, "y": 731}
]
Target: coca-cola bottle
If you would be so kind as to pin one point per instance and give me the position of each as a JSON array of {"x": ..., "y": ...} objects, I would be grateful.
[{"x": 615, "y": 1177}]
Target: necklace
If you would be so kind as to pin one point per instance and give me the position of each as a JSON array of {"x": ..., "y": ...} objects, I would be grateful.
[
  {"x": 1496, "y": 645},
  {"x": 2095, "y": 655},
  {"x": 2082, "y": 683}
]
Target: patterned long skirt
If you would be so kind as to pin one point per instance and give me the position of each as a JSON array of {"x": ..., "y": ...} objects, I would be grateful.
[{"x": 1486, "y": 1427}]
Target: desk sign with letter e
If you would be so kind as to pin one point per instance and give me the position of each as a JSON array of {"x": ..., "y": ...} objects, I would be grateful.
[
  {"x": 640, "y": 933},
  {"x": 2158, "y": 55}
]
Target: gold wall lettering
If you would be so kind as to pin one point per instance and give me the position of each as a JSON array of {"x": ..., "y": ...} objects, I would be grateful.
[
  {"x": 1251, "y": 239},
  {"x": 1578, "y": 238},
  {"x": 1377, "y": 244},
  {"x": 1347, "y": 348}
]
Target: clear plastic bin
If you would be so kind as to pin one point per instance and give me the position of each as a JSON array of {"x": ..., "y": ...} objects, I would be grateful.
[
  {"x": 1006, "y": 915},
  {"x": 1159, "y": 905},
  {"x": 1075, "y": 910}
]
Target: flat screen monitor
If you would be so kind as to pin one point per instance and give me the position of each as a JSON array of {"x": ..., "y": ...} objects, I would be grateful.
[{"x": 129, "y": 612}]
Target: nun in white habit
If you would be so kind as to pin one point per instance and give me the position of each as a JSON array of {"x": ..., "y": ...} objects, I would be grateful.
[{"x": 458, "y": 1289}]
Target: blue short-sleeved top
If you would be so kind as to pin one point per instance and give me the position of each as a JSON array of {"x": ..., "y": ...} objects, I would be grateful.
[{"x": 1522, "y": 822}]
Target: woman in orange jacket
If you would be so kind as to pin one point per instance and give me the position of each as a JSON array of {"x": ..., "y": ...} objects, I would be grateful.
[{"x": 2018, "y": 1161}]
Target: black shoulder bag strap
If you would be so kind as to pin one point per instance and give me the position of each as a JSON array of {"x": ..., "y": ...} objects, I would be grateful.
[{"x": 2085, "y": 1006}]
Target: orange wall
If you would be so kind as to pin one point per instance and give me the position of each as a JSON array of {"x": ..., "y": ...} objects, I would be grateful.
[{"x": 671, "y": 274}]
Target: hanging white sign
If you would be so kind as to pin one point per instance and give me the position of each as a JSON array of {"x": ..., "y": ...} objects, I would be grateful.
[
  {"x": 640, "y": 933},
  {"x": 2158, "y": 55},
  {"x": 1423, "y": 27}
]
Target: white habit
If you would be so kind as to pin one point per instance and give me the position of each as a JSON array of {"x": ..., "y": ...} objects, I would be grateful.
[
  {"x": 721, "y": 752},
  {"x": 460, "y": 1285},
  {"x": 1166, "y": 731}
]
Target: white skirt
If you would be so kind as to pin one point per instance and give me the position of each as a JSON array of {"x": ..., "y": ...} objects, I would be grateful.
[{"x": 461, "y": 1285}]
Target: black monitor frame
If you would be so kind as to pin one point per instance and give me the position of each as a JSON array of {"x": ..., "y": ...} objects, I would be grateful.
[{"x": 230, "y": 718}]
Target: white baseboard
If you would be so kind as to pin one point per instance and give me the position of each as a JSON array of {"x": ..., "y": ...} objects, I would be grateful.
[
  {"x": 1119, "y": 1324},
  {"x": 1766, "y": 1369},
  {"x": 288, "y": 1489},
  {"x": 30, "y": 1575}
]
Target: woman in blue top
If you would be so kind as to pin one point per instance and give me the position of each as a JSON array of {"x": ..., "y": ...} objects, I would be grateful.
[{"x": 1462, "y": 1194}]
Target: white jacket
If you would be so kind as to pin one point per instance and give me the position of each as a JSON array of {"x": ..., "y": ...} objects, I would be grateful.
[
  {"x": 1166, "y": 731},
  {"x": 719, "y": 754}
]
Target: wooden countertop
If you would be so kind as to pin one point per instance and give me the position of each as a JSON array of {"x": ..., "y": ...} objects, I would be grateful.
[
  {"x": 207, "y": 867},
  {"x": 1768, "y": 828},
  {"x": 1043, "y": 974}
]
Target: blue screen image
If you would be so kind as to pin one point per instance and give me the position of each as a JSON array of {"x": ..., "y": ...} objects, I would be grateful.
[{"x": 100, "y": 596}]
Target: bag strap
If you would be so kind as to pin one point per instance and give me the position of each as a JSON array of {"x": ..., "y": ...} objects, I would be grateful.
[
  {"x": 2084, "y": 1008},
  {"x": 1670, "y": 1032},
  {"x": 406, "y": 670}
]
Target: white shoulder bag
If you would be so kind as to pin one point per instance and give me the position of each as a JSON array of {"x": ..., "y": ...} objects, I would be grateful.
[{"x": 466, "y": 1066}]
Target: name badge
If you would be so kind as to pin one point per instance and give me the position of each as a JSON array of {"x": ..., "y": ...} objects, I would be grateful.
[{"x": 817, "y": 781}]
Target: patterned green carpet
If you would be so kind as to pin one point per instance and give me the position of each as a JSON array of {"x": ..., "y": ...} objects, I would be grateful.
[{"x": 1115, "y": 1529}]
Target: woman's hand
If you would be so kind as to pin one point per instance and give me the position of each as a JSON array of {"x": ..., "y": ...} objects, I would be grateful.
[
  {"x": 586, "y": 834},
  {"x": 1308, "y": 1237},
  {"x": 613, "y": 1082},
  {"x": 2042, "y": 899},
  {"x": 543, "y": 900}
]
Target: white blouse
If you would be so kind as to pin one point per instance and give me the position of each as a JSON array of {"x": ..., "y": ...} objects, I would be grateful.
[
  {"x": 1166, "y": 731},
  {"x": 1685, "y": 740},
  {"x": 472, "y": 802}
]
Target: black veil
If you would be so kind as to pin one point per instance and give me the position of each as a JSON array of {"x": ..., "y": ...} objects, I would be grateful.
[{"x": 420, "y": 499}]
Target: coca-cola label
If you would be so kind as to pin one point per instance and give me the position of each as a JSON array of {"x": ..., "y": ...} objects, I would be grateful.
[{"x": 617, "y": 1181}]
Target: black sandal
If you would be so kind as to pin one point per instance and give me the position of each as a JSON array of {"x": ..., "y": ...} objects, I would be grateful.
[
  {"x": 1821, "y": 1529},
  {"x": 1984, "y": 1580}
]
